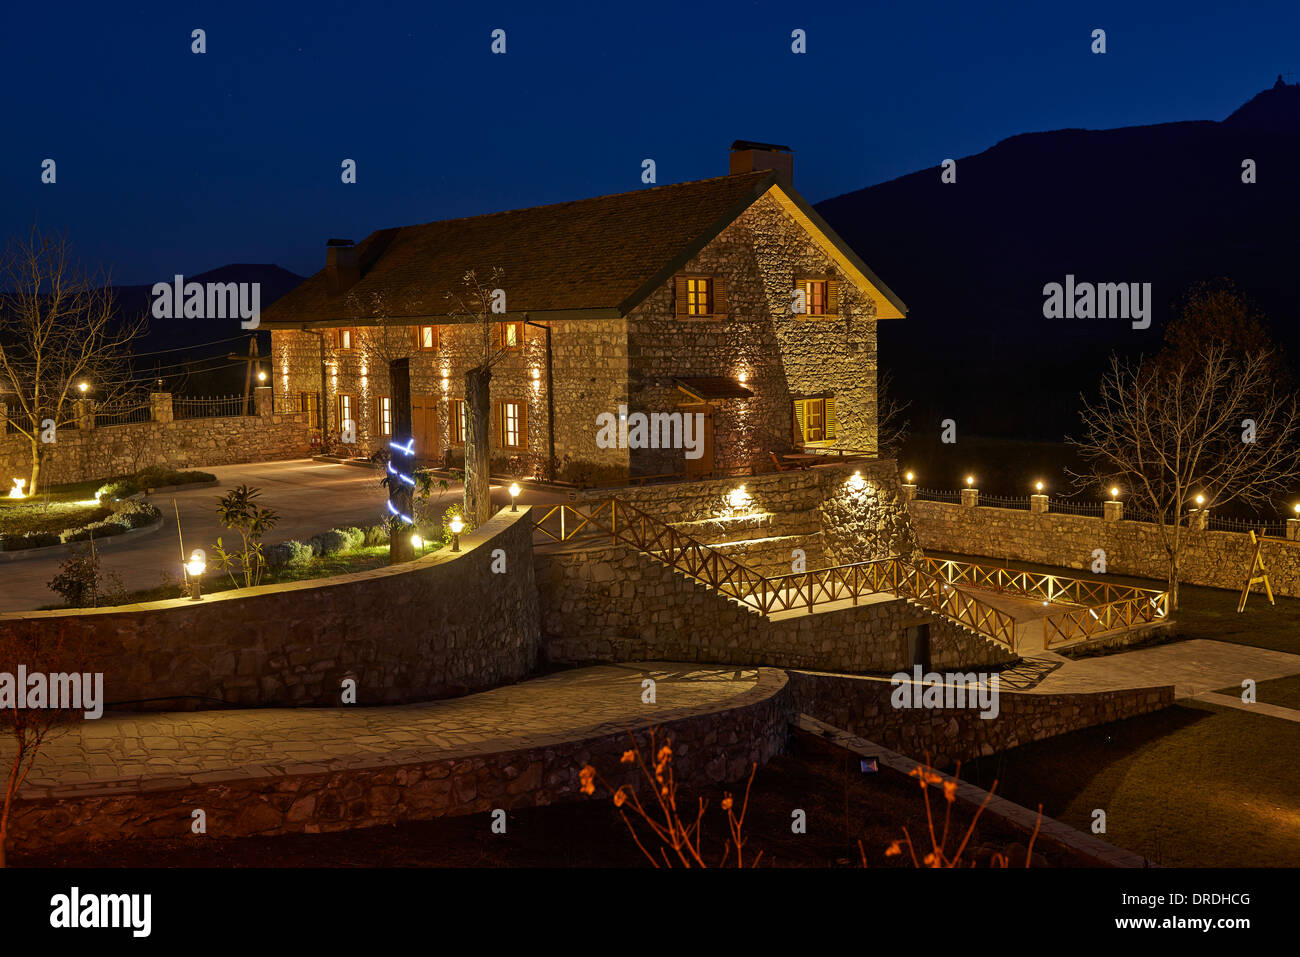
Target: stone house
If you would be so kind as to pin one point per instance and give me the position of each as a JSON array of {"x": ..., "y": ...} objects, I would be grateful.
[{"x": 728, "y": 298}]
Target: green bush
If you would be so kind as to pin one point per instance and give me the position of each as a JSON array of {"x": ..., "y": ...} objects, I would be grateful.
[
  {"x": 376, "y": 535},
  {"x": 134, "y": 514},
  {"x": 328, "y": 543},
  {"x": 290, "y": 554},
  {"x": 158, "y": 476},
  {"x": 353, "y": 538},
  {"x": 17, "y": 542},
  {"x": 117, "y": 489},
  {"x": 105, "y": 529}
]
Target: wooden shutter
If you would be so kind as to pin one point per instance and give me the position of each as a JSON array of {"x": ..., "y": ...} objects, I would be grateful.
[
  {"x": 720, "y": 297},
  {"x": 832, "y": 298},
  {"x": 798, "y": 421},
  {"x": 680, "y": 285},
  {"x": 523, "y": 425},
  {"x": 829, "y": 421}
]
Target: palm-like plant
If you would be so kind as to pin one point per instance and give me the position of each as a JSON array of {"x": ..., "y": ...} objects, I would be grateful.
[{"x": 239, "y": 512}]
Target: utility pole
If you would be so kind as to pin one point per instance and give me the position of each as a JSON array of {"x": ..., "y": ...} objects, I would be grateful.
[{"x": 251, "y": 359}]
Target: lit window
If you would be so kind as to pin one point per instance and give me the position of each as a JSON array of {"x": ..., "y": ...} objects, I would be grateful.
[
  {"x": 347, "y": 339},
  {"x": 385, "y": 415},
  {"x": 427, "y": 337},
  {"x": 699, "y": 297},
  {"x": 814, "y": 420},
  {"x": 457, "y": 411},
  {"x": 814, "y": 292},
  {"x": 512, "y": 335},
  {"x": 345, "y": 409},
  {"x": 512, "y": 426}
]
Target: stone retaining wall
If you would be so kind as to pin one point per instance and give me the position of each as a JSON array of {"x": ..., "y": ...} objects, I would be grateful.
[
  {"x": 708, "y": 748},
  {"x": 83, "y": 455},
  {"x": 441, "y": 625},
  {"x": 1216, "y": 559},
  {"x": 614, "y": 603},
  {"x": 862, "y": 706}
]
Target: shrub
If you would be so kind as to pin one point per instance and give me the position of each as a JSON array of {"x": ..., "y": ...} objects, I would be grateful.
[
  {"x": 134, "y": 514},
  {"x": 328, "y": 543},
  {"x": 158, "y": 476},
  {"x": 353, "y": 538},
  {"x": 239, "y": 511},
  {"x": 105, "y": 529},
  {"x": 376, "y": 535},
  {"x": 117, "y": 489},
  {"x": 13, "y": 542}
]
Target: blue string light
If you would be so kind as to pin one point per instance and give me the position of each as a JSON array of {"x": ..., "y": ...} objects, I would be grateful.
[{"x": 406, "y": 518}]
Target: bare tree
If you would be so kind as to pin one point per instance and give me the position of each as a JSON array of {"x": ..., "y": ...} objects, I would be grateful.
[
  {"x": 29, "y": 728},
  {"x": 1210, "y": 424},
  {"x": 59, "y": 330},
  {"x": 891, "y": 426},
  {"x": 476, "y": 305}
]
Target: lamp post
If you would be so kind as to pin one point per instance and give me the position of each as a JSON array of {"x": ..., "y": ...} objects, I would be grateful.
[
  {"x": 514, "y": 494},
  {"x": 970, "y": 495},
  {"x": 1038, "y": 501},
  {"x": 456, "y": 525},
  {"x": 1113, "y": 511},
  {"x": 195, "y": 568}
]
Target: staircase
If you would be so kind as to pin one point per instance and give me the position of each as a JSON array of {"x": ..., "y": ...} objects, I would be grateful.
[{"x": 811, "y": 592}]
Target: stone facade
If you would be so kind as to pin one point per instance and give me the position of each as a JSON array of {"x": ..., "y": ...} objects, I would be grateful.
[
  {"x": 439, "y": 626},
  {"x": 600, "y": 364},
  {"x": 1216, "y": 559},
  {"x": 107, "y": 451},
  {"x": 862, "y": 706},
  {"x": 708, "y": 748}
]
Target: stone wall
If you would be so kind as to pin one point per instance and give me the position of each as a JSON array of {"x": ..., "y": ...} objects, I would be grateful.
[
  {"x": 82, "y": 455},
  {"x": 439, "y": 626},
  {"x": 614, "y": 603},
  {"x": 708, "y": 748},
  {"x": 862, "y": 707},
  {"x": 1217, "y": 559}
]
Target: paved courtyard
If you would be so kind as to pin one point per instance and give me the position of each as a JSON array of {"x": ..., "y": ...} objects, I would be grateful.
[
  {"x": 310, "y": 496},
  {"x": 134, "y": 751}
]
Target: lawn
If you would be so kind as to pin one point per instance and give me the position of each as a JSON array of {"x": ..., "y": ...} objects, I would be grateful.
[
  {"x": 18, "y": 517},
  {"x": 1194, "y": 785}
]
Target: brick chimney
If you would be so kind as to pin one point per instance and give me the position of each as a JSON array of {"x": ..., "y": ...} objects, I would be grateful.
[
  {"x": 749, "y": 157},
  {"x": 341, "y": 269}
]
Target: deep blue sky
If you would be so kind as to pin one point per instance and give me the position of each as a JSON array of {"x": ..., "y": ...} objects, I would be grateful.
[{"x": 171, "y": 162}]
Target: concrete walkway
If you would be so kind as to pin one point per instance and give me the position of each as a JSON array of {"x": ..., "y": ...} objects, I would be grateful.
[
  {"x": 127, "y": 752},
  {"x": 310, "y": 496}
]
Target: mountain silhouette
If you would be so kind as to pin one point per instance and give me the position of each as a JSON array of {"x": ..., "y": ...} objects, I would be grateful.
[{"x": 1163, "y": 204}]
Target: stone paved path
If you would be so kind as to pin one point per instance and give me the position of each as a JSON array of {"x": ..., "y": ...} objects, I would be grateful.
[
  {"x": 1192, "y": 667},
  {"x": 160, "y": 750}
]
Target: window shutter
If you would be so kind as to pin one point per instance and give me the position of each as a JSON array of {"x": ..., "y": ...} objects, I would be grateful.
[
  {"x": 523, "y": 425},
  {"x": 680, "y": 283},
  {"x": 719, "y": 297},
  {"x": 832, "y": 299},
  {"x": 798, "y": 421},
  {"x": 830, "y": 417}
]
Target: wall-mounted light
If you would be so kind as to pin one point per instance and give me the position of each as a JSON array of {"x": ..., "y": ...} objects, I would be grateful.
[
  {"x": 857, "y": 482},
  {"x": 739, "y": 499}
]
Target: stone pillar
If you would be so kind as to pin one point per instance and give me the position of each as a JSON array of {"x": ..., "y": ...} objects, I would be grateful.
[
  {"x": 160, "y": 406},
  {"x": 1293, "y": 529},
  {"x": 909, "y": 493},
  {"x": 262, "y": 401},
  {"x": 1112, "y": 511},
  {"x": 970, "y": 497},
  {"x": 82, "y": 410},
  {"x": 1198, "y": 518},
  {"x": 1038, "y": 503}
]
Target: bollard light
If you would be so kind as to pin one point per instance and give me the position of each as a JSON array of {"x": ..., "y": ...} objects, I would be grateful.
[
  {"x": 195, "y": 568},
  {"x": 514, "y": 494},
  {"x": 456, "y": 525}
]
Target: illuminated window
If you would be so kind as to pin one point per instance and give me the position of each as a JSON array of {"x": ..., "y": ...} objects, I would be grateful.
[
  {"x": 814, "y": 292},
  {"x": 699, "y": 297},
  {"x": 814, "y": 420},
  {"x": 512, "y": 335},
  {"x": 346, "y": 339},
  {"x": 426, "y": 338},
  {"x": 510, "y": 415},
  {"x": 384, "y": 408},
  {"x": 458, "y": 412},
  {"x": 345, "y": 409}
]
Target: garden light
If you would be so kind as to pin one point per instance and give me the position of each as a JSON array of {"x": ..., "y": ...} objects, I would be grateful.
[
  {"x": 195, "y": 568},
  {"x": 17, "y": 490},
  {"x": 456, "y": 525},
  {"x": 514, "y": 494}
]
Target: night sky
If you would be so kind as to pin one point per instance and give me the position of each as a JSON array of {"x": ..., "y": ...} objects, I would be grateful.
[{"x": 173, "y": 162}]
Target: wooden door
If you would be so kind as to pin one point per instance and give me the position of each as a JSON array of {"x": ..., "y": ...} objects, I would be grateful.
[
  {"x": 424, "y": 428},
  {"x": 701, "y": 467}
]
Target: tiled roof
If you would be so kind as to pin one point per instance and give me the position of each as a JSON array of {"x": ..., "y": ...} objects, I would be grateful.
[{"x": 596, "y": 253}]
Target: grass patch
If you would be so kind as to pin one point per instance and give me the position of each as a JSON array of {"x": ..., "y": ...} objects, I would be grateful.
[
  {"x": 21, "y": 519},
  {"x": 1283, "y": 692},
  {"x": 1190, "y": 786},
  {"x": 75, "y": 492}
]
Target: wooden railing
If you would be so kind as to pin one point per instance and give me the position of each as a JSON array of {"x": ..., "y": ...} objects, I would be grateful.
[
  {"x": 627, "y": 524},
  {"x": 1103, "y": 606}
]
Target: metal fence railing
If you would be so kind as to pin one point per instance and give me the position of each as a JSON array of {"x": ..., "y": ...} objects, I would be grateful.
[
  {"x": 1001, "y": 501},
  {"x": 124, "y": 414},
  {"x": 938, "y": 495},
  {"x": 186, "y": 407},
  {"x": 1076, "y": 508},
  {"x": 1246, "y": 525}
]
